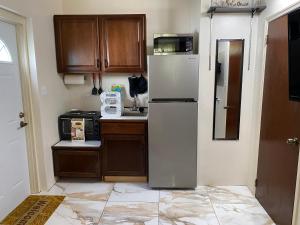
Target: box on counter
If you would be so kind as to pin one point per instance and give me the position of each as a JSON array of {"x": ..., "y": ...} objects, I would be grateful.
[{"x": 77, "y": 130}]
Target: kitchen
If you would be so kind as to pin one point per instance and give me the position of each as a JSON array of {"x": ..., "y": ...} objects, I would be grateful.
[
  {"x": 123, "y": 136},
  {"x": 218, "y": 162}
]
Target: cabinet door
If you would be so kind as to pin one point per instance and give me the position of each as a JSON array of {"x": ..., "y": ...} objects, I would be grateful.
[
  {"x": 77, "y": 44},
  {"x": 76, "y": 163},
  {"x": 124, "y": 43},
  {"x": 124, "y": 155}
]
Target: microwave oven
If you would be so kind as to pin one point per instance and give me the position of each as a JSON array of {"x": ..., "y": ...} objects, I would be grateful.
[
  {"x": 172, "y": 44},
  {"x": 91, "y": 124}
]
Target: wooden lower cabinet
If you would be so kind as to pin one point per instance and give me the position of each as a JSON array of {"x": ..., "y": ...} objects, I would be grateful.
[
  {"x": 124, "y": 149},
  {"x": 77, "y": 163}
]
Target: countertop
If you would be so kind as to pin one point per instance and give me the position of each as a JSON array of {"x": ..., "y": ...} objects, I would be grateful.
[
  {"x": 86, "y": 144},
  {"x": 127, "y": 116},
  {"x": 139, "y": 118}
]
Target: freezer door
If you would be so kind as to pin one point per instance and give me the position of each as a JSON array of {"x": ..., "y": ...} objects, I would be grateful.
[
  {"x": 173, "y": 76},
  {"x": 173, "y": 145}
]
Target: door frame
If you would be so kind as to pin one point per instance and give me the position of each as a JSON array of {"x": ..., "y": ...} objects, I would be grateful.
[
  {"x": 268, "y": 19},
  {"x": 29, "y": 106}
]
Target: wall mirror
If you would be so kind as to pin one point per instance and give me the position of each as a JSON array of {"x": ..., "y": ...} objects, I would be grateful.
[{"x": 228, "y": 89}]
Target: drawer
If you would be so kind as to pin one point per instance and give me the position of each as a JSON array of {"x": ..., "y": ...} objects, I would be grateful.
[{"x": 123, "y": 128}]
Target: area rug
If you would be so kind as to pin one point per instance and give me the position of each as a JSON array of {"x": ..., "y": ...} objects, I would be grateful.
[{"x": 34, "y": 210}]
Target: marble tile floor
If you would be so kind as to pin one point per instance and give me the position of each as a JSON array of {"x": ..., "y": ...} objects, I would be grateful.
[{"x": 135, "y": 204}]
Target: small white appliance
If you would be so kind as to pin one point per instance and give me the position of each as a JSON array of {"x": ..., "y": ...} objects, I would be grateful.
[{"x": 111, "y": 104}]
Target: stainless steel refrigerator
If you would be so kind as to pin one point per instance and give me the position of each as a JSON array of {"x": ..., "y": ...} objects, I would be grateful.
[{"x": 173, "y": 118}]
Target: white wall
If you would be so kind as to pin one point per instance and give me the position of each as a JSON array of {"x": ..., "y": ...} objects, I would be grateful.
[
  {"x": 224, "y": 162},
  {"x": 43, "y": 68},
  {"x": 168, "y": 16}
]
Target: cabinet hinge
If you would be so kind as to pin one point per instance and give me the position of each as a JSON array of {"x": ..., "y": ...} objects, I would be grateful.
[{"x": 256, "y": 182}]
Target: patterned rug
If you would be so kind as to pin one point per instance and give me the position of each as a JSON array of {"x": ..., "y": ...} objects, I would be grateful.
[{"x": 34, "y": 210}]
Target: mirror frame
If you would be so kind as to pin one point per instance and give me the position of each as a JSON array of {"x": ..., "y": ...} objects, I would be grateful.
[{"x": 240, "y": 91}]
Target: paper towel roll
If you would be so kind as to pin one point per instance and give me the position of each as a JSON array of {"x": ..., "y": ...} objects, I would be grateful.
[{"x": 74, "y": 79}]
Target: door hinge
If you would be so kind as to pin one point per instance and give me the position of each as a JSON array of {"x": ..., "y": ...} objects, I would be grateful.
[
  {"x": 267, "y": 39},
  {"x": 256, "y": 182}
]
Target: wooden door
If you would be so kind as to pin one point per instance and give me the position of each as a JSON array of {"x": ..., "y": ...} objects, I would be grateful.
[
  {"x": 124, "y": 43},
  {"x": 77, "y": 44},
  {"x": 14, "y": 173},
  {"x": 234, "y": 89},
  {"x": 278, "y": 161},
  {"x": 124, "y": 155}
]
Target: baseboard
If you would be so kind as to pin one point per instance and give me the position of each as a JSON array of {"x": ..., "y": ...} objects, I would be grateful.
[{"x": 124, "y": 179}]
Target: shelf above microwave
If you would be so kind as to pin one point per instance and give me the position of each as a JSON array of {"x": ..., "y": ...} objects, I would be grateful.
[{"x": 252, "y": 10}]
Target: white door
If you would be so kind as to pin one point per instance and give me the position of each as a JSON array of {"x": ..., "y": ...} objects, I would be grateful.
[{"x": 14, "y": 175}]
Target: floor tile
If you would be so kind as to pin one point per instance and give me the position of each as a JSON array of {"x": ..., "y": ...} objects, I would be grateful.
[
  {"x": 136, "y": 204},
  {"x": 89, "y": 191},
  {"x": 130, "y": 213},
  {"x": 237, "y": 214},
  {"x": 56, "y": 189},
  {"x": 133, "y": 192},
  {"x": 77, "y": 212},
  {"x": 199, "y": 195},
  {"x": 187, "y": 213},
  {"x": 231, "y": 195}
]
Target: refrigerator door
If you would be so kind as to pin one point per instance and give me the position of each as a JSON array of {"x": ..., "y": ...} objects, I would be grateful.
[
  {"x": 173, "y": 145},
  {"x": 173, "y": 77}
]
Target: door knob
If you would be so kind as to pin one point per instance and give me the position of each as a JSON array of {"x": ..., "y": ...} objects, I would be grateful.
[
  {"x": 23, "y": 124},
  {"x": 292, "y": 141}
]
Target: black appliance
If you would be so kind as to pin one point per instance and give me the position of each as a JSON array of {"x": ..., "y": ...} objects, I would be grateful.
[
  {"x": 92, "y": 124},
  {"x": 172, "y": 44},
  {"x": 294, "y": 55}
]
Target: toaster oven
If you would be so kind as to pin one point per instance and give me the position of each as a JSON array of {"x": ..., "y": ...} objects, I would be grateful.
[{"x": 91, "y": 127}]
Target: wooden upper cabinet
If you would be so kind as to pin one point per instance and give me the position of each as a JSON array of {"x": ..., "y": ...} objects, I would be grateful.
[
  {"x": 124, "y": 43},
  {"x": 77, "y": 43}
]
